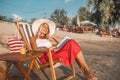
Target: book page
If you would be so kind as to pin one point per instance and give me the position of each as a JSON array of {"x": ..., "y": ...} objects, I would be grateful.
[{"x": 63, "y": 42}]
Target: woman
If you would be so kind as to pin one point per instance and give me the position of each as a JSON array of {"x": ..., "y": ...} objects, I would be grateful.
[{"x": 44, "y": 29}]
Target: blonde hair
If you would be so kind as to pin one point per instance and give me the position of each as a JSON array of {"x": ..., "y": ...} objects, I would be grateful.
[{"x": 38, "y": 32}]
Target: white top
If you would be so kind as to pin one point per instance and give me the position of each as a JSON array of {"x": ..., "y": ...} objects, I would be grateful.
[{"x": 43, "y": 43}]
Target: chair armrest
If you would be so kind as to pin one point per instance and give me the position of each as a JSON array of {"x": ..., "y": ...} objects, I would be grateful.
[{"x": 38, "y": 51}]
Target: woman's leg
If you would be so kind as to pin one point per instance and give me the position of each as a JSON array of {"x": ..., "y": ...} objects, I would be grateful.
[{"x": 84, "y": 67}]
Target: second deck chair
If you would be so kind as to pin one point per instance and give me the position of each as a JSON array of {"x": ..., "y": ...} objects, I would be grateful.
[
  {"x": 29, "y": 39},
  {"x": 2, "y": 72}
]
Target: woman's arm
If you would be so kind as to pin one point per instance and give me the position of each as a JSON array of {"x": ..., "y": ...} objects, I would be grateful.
[
  {"x": 55, "y": 39},
  {"x": 54, "y": 42}
]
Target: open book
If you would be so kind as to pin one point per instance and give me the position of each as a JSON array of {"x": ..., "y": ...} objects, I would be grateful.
[{"x": 63, "y": 42}]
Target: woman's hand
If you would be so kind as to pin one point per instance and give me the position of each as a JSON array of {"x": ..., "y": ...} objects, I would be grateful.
[{"x": 53, "y": 48}]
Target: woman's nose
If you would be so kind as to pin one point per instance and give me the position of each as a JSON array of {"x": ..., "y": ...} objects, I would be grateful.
[{"x": 45, "y": 29}]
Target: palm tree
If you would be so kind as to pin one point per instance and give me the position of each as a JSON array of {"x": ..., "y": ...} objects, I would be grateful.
[
  {"x": 109, "y": 9},
  {"x": 83, "y": 13}
]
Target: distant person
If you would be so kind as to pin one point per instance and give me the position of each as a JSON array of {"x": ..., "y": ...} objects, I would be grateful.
[
  {"x": 114, "y": 33},
  {"x": 118, "y": 31},
  {"x": 71, "y": 51}
]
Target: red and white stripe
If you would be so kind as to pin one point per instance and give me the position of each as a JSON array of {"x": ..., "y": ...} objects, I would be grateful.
[{"x": 15, "y": 44}]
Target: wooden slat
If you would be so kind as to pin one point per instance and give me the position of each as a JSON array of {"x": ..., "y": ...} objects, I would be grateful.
[
  {"x": 24, "y": 38},
  {"x": 2, "y": 71},
  {"x": 51, "y": 65}
]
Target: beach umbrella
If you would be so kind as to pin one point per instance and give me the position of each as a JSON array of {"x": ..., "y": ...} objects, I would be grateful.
[{"x": 78, "y": 20}]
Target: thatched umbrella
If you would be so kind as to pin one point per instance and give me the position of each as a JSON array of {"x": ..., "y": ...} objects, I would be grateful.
[{"x": 87, "y": 23}]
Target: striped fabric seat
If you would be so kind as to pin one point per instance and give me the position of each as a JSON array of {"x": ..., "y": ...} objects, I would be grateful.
[{"x": 26, "y": 32}]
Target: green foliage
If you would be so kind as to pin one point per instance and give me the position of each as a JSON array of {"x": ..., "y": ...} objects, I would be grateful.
[
  {"x": 83, "y": 13},
  {"x": 3, "y": 18},
  {"x": 59, "y": 16},
  {"x": 108, "y": 11},
  {"x": 74, "y": 20}
]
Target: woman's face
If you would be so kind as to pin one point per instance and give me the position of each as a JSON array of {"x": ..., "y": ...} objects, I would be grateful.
[{"x": 44, "y": 28}]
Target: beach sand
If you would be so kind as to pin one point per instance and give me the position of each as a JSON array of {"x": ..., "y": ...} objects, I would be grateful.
[{"x": 101, "y": 53}]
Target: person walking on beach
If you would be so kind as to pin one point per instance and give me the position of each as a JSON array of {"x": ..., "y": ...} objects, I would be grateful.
[{"x": 44, "y": 29}]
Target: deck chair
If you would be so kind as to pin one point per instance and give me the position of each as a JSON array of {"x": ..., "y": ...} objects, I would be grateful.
[
  {"x": 2, "y": 72},
  {"x": 29, "y": 39}
]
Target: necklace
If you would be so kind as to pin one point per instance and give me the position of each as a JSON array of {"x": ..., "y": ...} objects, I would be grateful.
[{"x": 42, "y": 37}]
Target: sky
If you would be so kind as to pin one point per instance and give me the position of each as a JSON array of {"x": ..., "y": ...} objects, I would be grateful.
[{"x": 27, "y": 9}]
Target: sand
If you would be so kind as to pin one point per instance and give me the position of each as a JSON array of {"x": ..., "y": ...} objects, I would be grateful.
[{"x": 101, "y": 53}]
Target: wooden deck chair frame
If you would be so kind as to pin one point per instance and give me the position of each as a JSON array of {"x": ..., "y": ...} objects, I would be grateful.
[
  {"x": 30, "y": 44},
  {"x": 2, "y": 72}
]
